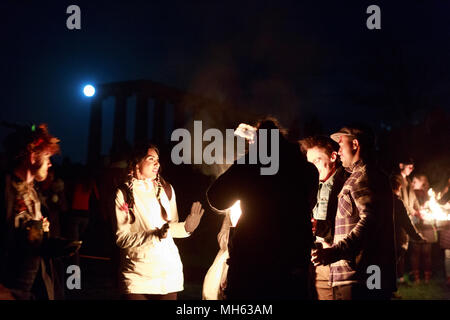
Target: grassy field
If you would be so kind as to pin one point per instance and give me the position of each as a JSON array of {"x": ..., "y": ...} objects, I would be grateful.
[
  {"x": 435, "y": 290},
  {"x": 98, "y": 284}
]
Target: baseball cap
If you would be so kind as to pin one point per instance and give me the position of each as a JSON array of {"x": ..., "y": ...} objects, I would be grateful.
[
  {"x": 345, "y": 131},
  {"x": 362, "y": 133}
]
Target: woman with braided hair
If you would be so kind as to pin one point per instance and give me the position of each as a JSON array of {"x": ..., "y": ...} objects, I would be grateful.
[{"x": 147, "y": 222}]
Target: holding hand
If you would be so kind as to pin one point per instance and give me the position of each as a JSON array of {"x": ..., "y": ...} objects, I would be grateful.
[
  {"x": 162, "y": 232},
  {"x": 193, "y": 219},
  {"x": 321, "y": 256},
  {"x": 45, "y": 225}
]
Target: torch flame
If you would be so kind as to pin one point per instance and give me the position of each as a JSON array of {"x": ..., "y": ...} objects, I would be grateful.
[
  {"x": 235, "y": 212},
  {"x": 432, "y": 210}
]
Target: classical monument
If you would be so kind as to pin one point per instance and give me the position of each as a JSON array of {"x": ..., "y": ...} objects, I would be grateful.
[{"x": 185, "y": 105}]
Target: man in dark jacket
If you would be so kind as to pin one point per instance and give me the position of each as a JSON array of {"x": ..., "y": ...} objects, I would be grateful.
[
  {"x": 363, "y": 254},
  {"x": 270, "y": 246},
  {"x": 322, "y": 152}
]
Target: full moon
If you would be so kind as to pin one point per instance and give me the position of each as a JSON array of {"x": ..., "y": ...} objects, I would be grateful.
[{"x": 89, "y": 90}]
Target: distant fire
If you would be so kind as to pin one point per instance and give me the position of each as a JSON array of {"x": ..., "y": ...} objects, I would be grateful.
[
  {"x": 235, "y": 213},
  {"x": 433, "y": 210}
]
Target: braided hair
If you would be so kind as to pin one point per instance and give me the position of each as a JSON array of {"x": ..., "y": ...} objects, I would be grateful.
[{"x": 138, "y": 155}]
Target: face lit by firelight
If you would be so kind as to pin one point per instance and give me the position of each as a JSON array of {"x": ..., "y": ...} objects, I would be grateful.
[
  {"x": 42, "y": 165},
  {"x": 406, "y": 169},
  {"x": 149, "y": 166},
  {"x": 324, "y": 163}
]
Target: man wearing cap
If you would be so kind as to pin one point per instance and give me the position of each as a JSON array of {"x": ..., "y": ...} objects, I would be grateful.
[{"x": 362, "y": 256}]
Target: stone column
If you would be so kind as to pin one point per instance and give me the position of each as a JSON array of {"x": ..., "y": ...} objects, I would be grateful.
[
  {"x": 159, "y": 122},
  {"x": 120, "y": 122},
  {"x": 141, "y": 122},
  {"x": 95, "y": 131}
]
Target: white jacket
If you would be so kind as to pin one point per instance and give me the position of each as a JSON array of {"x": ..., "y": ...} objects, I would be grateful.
[{"x": 149, "y": 265}]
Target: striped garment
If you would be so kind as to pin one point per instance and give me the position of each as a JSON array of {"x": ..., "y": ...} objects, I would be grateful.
[{"x": 353, "y": 204}]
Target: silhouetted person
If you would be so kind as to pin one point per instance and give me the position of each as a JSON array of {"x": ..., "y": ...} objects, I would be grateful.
[
  {"x": 403, "y": 229},
  {"x": 80, "y": 214},
  {"x": 270, "y": 246}
]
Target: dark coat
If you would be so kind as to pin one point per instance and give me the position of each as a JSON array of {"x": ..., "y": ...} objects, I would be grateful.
[
  {"x": 270, "y": 246},
  {"x": 403, "y": 225},
  {"x": 25, "y": 270}
]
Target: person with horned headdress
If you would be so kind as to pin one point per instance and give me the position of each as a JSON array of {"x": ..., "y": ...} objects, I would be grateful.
[{"x": 26, "y": 271}]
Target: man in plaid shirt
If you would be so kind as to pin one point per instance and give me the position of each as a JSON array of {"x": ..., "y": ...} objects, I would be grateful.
[{"x": 362, "y": 257}]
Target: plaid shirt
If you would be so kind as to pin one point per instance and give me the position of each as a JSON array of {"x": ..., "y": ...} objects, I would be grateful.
[
  {"x": 364, "y": 229},
  {"x": 350, "y": 204}
]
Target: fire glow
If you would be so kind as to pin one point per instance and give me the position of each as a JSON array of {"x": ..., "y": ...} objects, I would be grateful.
[
  {"x": 433, "y": 210},
  {"x": 235, "y": 213}
]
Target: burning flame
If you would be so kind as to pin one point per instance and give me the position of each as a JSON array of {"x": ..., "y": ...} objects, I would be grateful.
[
  {"x": 235, "y": 213},
  {"x": 433, "y": 210}
]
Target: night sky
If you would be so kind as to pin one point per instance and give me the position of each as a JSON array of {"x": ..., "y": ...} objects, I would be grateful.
[{"x": 295, "y": 59}]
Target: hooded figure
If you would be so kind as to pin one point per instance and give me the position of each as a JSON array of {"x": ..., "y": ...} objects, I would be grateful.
[{"x": 270, "y": 246}]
